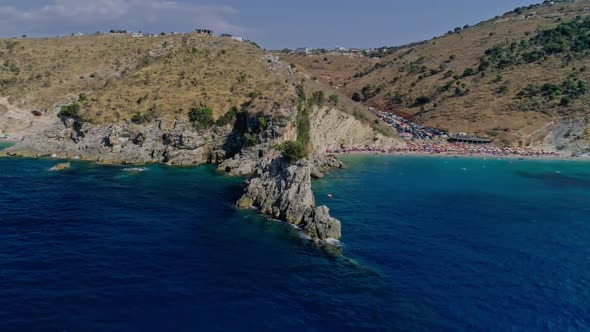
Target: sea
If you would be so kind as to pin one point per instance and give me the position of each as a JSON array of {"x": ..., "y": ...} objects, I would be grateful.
[{"x": 429, "y": 244}]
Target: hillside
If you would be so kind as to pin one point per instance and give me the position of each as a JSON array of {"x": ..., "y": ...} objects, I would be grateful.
[
  {"x": 120, "y": 75},
  {"x": 184, "y": 100},
  {"x": 57, "y": 92},
  {"x": 330, "y": 69},
  {"x": 520, "y": 78}
]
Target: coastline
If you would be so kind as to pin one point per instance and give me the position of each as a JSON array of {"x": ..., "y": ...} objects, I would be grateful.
[{"x": 455, "y": 155}]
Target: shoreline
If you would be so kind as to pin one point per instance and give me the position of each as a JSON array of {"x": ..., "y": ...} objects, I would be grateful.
[{"x": 455, "y": 155}]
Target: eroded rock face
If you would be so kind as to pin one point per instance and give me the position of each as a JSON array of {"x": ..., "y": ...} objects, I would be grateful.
[
  {"x": 248, "y": 161},
  {"x": 332, "y": 129},
  {"x": 322, "y": 226},
  {"x": 174, "y": 142},
  {"x": 283, "y": 191}
]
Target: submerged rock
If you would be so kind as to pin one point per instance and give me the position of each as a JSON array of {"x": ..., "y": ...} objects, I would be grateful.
[{"x": 60, "y": 167}]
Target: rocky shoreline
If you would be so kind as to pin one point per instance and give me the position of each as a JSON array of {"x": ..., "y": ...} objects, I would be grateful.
[
  {"x": 279, "y": 189},
  {"x": 276, "y": 188},
  {"x": 283, "y": 191}
]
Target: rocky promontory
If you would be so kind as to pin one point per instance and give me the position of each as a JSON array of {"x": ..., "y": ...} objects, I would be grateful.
[
  {"x": 186, "y": 101},
  {"x": 283, "y": 191}
]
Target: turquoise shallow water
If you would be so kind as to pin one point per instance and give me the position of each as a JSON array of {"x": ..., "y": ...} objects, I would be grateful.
[
  {"x": 429, "y": 244},
  {"x": 472, "y": 244}
]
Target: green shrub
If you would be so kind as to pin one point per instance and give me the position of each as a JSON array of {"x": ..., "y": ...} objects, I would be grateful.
[
  {"x": 251, "y": 140},
  {"x": 468, "y": 72},
  {"x": 202, "y": 118},
  {"x": 334, "y": 99},
  {"x": 318, "y": 98},
  {"x": 300, "y": 91},
  {"x": 70, "y": 111},
  {"x": 503, "y": 89},
  {"x": 228, "y": 117},
  {"x": 356, "y": 97},
  {"x": 82, "y": 97},
  {"x": 423, "y": 100},
  {"x": 293, "y": 151},
  {"x": 262, "y": 123},
  {"x": 139, "y": 118}
]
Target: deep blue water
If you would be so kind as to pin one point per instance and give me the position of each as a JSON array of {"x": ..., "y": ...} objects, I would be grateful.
[{"x": 429, "y": 244}]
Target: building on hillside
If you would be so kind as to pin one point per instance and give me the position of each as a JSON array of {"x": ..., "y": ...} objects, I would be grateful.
[
  {"x": 465, "y": 138},
  {"x": 204, "y": 32},
  {"x": 118, "y": 32},
  {"x": 136, "y": 35},
  {"x": 225, "y": 35},
  {"x": 77, "y": 34},
  {"x": 531, "y": 15},
  {"x": 302, "y": 51},
  {"x": 239, "y": 39},
  {"x": 587, "y": 9}
]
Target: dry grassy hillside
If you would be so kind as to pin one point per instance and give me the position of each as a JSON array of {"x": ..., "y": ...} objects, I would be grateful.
[
  {"x": 330, "y": 69},
  {"x": 440, "y": 84},
  {"x": 119, "y": 76}
]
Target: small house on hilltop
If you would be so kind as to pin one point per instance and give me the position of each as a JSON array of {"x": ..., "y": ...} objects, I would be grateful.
[
  {"x": 531, "y": 15},
  {"x": 302, "y": 51},
  {"x": 225, "y": 35},
  {"x": 204, "y": 32},
  {"x": 118, "y": 32}
]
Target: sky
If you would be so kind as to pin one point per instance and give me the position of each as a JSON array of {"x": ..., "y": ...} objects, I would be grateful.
[{"x": 274, "y": 24}]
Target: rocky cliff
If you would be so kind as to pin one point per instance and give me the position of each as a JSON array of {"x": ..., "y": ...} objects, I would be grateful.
[
  {"x": 183, "y": 100},
  {"x": 279, "y": 189},
  {"x": 569, "y": 135},
  {"x": 283, "y": 191},
  {"x": 174, "y": 142},
  {"x": 331, "y": 129}
]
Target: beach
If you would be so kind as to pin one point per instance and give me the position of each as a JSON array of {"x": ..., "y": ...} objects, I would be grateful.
[{"x": 456, "y": 150}]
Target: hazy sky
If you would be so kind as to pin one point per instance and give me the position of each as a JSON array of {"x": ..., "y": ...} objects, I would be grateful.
[{"x": 274, "y": 24}]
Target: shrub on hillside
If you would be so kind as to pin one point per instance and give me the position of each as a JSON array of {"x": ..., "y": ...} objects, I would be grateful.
[
  {"x": 228, "y": 117},
  {"x": 318, "y": 98},
  {"x": 139, "y": 118},
  {"x": 202, "y": 118},
  {"x": 334, "y": 99},
  {"x": 356, "y": 97},
  {"x": 423, "y": 100},
  {"x": 70, "y": 111},
  {"x": 293, "y": 151},
  {"x": 468, "y": 72}
]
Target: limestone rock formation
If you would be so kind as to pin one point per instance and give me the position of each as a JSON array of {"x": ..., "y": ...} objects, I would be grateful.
[
  {"x": 283, "y": 191},
  {"x": 172, "y": 142},
  {"x": 322, "y": 226},
  {"x": 331, "y": 129}
]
